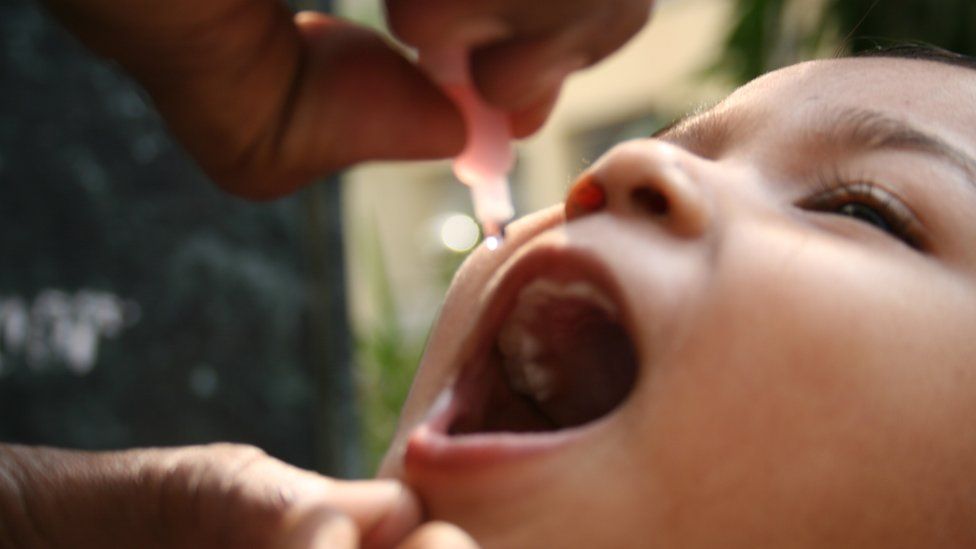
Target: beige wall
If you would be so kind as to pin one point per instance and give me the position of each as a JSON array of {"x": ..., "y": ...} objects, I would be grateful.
[{"x": 393, "y": 208}]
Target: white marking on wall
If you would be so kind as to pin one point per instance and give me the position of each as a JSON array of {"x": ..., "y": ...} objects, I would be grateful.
[{"x": 61, "y": 328}]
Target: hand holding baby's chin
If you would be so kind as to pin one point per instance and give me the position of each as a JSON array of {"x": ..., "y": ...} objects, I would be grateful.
[{"x": 203, "y": 496}]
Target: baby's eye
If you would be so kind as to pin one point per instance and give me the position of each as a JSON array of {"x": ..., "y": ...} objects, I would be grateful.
[
  {"x": 867, "y": 214},
  {"x": 870, "y": 204}
]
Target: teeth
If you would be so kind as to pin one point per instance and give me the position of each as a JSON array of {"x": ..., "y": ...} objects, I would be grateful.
[
  {"x": 519, "y": 341},
  {"x": 520, "y": 351}
]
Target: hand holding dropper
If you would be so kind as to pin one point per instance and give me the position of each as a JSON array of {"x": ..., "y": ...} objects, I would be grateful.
[{"x": 487, "y": 157}]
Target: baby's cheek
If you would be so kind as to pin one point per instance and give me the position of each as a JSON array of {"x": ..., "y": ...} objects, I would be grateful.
[{"x": 829, "y": 379}]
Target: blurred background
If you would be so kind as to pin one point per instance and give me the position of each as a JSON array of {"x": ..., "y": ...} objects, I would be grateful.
[{"x": 140, "y": 306}]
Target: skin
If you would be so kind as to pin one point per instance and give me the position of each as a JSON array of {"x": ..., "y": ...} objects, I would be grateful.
[
  {"x": 267, "y": 101},
  {"x": 221, "y": 495},
  {"x": 805, "y": 379}
]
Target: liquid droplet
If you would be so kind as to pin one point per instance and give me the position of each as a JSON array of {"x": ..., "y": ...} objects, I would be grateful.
[{"x": 493, "y": 242}]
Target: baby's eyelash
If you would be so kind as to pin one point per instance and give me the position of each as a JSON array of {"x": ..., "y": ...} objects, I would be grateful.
[{"x": 870, "y": 202}]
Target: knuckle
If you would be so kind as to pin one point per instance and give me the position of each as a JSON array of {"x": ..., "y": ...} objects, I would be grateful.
[{"x": 205, "y": 493}]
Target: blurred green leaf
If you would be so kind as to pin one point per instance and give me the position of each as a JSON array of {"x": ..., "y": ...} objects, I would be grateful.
[{"x": 769, "y": 34}]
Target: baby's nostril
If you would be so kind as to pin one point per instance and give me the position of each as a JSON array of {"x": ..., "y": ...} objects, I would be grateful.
[{"x": 650, "y": 201}]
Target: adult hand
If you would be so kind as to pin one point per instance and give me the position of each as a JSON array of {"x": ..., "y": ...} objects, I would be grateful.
[
  {"x": 266, "y": 101},
  {"x": 523, "y": 50},
  {"x": 205, "y": 496}
]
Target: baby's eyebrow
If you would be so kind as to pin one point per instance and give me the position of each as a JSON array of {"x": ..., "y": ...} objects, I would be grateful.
[
  {"x": 869, "y": 130},
  {"x": 850, "y": 128}
]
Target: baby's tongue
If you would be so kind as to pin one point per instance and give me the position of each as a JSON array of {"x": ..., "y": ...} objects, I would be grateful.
[{"x": 563, "y": 347}]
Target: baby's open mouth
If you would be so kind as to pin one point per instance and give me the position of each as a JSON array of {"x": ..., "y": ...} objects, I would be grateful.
[{"x": 560, "y": 357}]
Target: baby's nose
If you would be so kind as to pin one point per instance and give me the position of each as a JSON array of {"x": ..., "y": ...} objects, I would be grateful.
[{"x": 646, "y": 178}]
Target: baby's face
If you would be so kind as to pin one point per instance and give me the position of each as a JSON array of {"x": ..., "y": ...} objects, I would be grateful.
[{"x": 762, "y": 336}]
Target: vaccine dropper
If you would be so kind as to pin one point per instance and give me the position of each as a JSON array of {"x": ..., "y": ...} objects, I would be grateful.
[{"x": 487, "y": 157}]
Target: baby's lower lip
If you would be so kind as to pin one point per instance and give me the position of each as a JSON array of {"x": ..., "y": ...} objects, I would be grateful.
[{"x": 431, "y": 448}]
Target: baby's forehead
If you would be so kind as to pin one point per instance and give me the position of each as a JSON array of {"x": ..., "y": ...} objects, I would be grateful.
[
  {"x": 882, "y": 92},
  {"x": 928, "y": 88}
]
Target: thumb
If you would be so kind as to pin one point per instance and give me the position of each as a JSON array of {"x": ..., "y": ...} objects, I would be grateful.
[
  {"x": 318, "y": 527},
  {"x": 384, "y": 511},
  {"x": 439, "y": 535},
  {"x": 380, "y": 513},
  {"x": 362, "y": 100},
  {"x": 374, "y": 513}
]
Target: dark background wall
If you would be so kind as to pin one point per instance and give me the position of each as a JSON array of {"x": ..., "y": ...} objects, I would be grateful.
[{"x": 138, "y": 304}]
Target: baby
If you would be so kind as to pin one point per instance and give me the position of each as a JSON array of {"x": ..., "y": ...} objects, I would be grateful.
[{"x": 753, "y": 330}]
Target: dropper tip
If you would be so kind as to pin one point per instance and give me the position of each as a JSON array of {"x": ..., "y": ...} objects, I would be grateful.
[{"x": 495, "y": 236}]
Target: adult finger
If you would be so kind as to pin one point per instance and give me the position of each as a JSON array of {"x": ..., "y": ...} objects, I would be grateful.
[
  {"x": 355, "y": 99},
  {"x": 240, "y": 493},
  {"x": 319, "y": 527},
  {"x": 434, "y": 23},
  {"x": 527, "y": 121},
  {"x": 437, "y": 23},
  {"x": 522, "y": 52},
  {"x": 439, "y": 535},
  {"x": 519, "y": 72},
  {"x": 384, "y": 511}
]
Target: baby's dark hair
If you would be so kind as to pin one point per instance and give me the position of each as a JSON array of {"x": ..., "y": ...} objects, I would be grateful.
[{"x": 924, "y": 52}]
